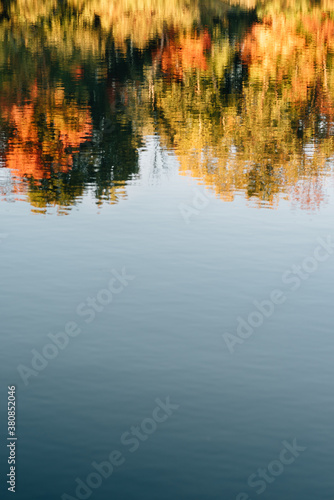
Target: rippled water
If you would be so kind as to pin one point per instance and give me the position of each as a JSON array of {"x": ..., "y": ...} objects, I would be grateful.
[{"x": 190, "y": 146}]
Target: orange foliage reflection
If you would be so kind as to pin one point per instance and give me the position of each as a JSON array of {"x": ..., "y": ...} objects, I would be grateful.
[
  {"x": 291, "y": 50},
  {"x": 46, "y": 129},
  {"x": 184, "y": 53}
]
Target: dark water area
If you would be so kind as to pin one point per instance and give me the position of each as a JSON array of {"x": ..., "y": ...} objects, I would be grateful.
[{"x": 167, "y": 248}]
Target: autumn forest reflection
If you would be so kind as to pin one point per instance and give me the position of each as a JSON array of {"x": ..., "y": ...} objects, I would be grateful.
[{"x": 242, "y": 92}]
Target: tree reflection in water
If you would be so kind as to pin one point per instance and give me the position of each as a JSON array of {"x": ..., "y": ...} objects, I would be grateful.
[{"x": 241, "y": 91}]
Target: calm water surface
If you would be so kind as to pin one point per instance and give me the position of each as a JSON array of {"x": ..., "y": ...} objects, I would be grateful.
[{"x": 190, "y": 146}]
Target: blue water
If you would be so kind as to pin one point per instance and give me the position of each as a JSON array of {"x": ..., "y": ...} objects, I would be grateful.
[{"x": 162, "y": 336}]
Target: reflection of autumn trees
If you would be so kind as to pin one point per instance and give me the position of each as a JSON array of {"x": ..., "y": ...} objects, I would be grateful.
[
  {"x": 141, "y": 21},
  {"x": 185, "y": 52},
  {"x": 138, "y": 20},
  {"x": 52, "y": 145},
  {"x": 53, "y": 106},
  {"x": 242, "y": 112},
  {"x": 293, "y": 53},
  {"x": 85, "y": 25},
  {"x": 46, "y": 128},
  {"x": 256, "y": 141}
]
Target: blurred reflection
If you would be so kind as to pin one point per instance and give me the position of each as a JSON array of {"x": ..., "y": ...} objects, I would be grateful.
[{"x": 241, "y": 91}]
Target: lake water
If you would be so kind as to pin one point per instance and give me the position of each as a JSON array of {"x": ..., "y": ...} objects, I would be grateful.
[{"x": 166, "y": 187}]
